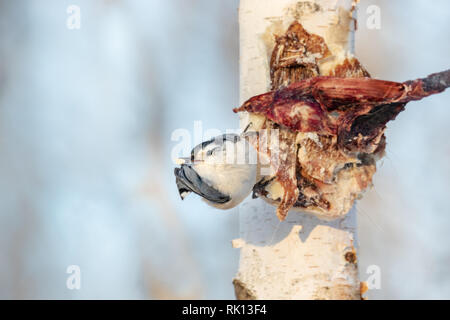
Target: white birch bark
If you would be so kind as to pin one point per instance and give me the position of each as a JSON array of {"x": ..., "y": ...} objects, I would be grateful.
[{"x": 303, "y": 257}]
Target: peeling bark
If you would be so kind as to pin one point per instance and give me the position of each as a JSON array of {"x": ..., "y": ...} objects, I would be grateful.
[
  {"x": 295, "y": 56},
  {"x": 303, "y": 257},
  {"x": 331, "y": 119},
  {"x": 338, "y": 127}
]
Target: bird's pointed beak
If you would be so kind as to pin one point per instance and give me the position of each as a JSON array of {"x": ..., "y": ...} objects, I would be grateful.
[{"x": 183, "y": 160}]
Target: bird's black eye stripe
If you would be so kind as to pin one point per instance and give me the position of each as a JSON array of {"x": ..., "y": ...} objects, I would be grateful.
[
  {"x": 210, "y": 152},
  {"x": 201, "y": 146},
  {"x": 219, "y": 140}
]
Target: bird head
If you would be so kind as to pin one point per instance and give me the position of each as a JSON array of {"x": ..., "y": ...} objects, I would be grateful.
[{"x": 221, "y": 170}]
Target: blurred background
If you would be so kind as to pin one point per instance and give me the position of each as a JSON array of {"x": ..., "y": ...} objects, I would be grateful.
[{"x": 86, "y": 123}]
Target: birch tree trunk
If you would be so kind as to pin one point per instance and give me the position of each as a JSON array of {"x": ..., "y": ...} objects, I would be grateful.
[{"x": 302, "y": 257}]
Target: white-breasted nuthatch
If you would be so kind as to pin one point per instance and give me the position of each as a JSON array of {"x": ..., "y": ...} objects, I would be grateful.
[{"x": 222, "y": 171}]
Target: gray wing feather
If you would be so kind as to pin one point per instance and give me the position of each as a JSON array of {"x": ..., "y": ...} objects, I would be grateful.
[{"x": 189, "y": 181}]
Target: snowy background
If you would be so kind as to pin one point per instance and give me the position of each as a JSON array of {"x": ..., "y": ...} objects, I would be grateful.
[{"x": 86, "y": 121}]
